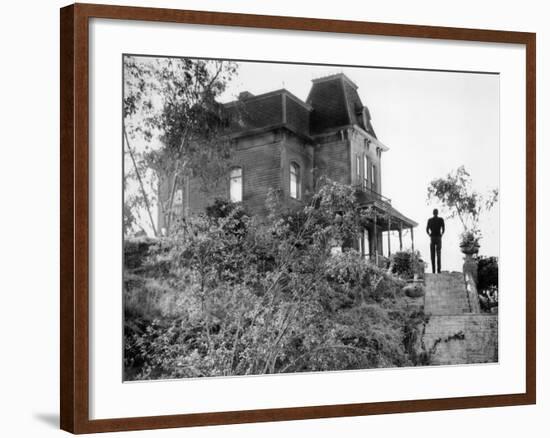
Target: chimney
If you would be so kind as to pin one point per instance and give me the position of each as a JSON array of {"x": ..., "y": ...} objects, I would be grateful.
[{"x": 243, "y": 95}]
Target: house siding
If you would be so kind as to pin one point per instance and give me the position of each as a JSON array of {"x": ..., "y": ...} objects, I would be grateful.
[
  {"x": 332, "y": 159},
  {"x": 260, "y": 159},
  {"x": 325, "y": 136},
  {"x": 359, "y": 148},
  {"x": 297, "y": 151},
  {"x": 261, "y": 165}
]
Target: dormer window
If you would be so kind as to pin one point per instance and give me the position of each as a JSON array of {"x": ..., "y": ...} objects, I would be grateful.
[
  {"x": 236, "y": 184},
  {"x": 295, "y": 181},
  {"x": 365, "y": 119}
]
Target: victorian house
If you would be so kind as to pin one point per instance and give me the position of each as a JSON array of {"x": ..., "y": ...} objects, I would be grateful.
[{"x": 281, "y": 142}]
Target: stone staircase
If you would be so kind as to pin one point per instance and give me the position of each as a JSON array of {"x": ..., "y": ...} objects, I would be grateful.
[
  {"x": 454, "y": 334},
  {"x": 446, "y": 294}
]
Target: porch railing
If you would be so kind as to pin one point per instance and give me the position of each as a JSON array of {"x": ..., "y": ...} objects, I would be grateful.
[{"x": 371, "y": 194}]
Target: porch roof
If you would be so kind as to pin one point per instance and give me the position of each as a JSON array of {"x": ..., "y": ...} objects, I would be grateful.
[{"x": 389, "y": 216}]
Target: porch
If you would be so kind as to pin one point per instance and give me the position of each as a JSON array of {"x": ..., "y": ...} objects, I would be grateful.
[{"x": 387, "y": 222}]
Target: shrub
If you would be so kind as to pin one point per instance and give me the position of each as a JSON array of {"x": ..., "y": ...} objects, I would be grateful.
[
  {"x": 136, "y": 251},
  {"x": 487, "y": 272},
  {"x": 407, "y": 264},
  {"x": 487, "y": 281},
  {"x": 243, "y": 297}
]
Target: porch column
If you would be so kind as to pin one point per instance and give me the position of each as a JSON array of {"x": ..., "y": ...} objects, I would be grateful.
[
  {"x": 389, "y": 231},
  {"x": 412, "y": 238},
  {"x": 400, "y": 236},
  {"x": 375, "y": 241}
]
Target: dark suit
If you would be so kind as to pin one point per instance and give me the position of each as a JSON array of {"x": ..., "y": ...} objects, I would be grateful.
[{"x": 435, "y": 229}]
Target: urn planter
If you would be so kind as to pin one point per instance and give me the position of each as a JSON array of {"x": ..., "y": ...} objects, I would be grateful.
[{"x": 470, "y": 248}]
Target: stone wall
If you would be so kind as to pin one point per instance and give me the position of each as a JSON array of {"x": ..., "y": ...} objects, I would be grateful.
[
  {"x": 456, "y": 332},
  {"x": 462, "y": 339}
]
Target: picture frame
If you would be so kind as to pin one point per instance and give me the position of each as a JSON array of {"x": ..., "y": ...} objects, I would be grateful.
[{"x": 75, "y": 224}]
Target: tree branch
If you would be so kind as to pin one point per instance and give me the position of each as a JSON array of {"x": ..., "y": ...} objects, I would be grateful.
[{"x": 142, "y": 186}]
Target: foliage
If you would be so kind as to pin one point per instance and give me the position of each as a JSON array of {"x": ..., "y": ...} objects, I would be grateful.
[
  {"x": 487, "y": 272},
  {"x": 244, "y": 297},
  {"x": 487, "y": 281},
  {"x": 469, "y": 238},
  {"x": 170, "y": 105},
  {"x": 455, "y": 194},
  {"x": 407, "y": 264}
]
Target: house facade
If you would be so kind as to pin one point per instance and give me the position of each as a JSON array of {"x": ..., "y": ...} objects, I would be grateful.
[{"x": 281, "y": 142}]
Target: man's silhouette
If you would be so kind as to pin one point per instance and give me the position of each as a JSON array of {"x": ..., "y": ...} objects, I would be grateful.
[{"x": 435, "y": 229}]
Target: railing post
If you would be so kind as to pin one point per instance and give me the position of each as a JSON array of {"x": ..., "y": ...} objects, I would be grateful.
[
  {"x": 389, "y": 237},
  {"x": 375, "y": 242}
]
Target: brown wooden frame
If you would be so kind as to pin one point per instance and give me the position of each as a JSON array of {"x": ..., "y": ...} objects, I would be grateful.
[{"x": 74, "y": 217}]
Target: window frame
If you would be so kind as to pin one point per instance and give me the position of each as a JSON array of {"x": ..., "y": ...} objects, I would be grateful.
[
  {"x": 298, "y": 174},
  {"x": 365, "y": 171},
  {"x": 232, "y": 178}
]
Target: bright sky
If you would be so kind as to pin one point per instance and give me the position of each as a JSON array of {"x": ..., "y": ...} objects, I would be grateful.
[{"x": 433, "y": 122}]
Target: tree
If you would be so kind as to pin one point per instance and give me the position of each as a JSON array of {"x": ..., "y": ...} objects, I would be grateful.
[
  {"x": 171, "y": 106},
  {"x": 460, "y": 201}
]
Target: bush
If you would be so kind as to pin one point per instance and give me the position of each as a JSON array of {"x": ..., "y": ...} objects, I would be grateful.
[
  {"x": 136, "y": 251},
  {"x": 407, "y": 264},
  {"x": 487, "y": 273},
  {"x": 487, "y": 281},
  {"x": 243, "y": 297}
]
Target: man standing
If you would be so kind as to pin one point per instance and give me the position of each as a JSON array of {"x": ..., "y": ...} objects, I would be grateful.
[{"x": 435, "y": 229}]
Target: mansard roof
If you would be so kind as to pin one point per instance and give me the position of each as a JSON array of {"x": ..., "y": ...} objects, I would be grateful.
[
  {"x": 269, "y": 110},
  {"x": 332, "y": 102},
  {"x": 335, "y": 103}
]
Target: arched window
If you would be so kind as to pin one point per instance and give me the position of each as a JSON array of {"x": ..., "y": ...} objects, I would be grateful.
[
  {"x": 295, "y": 181},
  {"x": 236, "y": 184}
]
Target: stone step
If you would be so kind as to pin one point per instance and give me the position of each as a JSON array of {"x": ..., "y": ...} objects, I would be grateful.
[{"x": 446, "y": 294}]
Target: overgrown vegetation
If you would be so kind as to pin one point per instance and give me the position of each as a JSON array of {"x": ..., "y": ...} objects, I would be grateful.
[
  {"x": 487, "y": 282},
  {"x": 172, "y": 130},
  {"x": 229, "y": 295}
]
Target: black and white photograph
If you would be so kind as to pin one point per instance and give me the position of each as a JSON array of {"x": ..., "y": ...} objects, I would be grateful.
[
  {"x": 296, "y": 218},
  {"x": 275, "y": 218}
]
